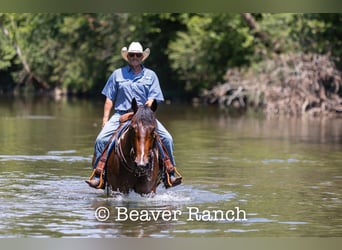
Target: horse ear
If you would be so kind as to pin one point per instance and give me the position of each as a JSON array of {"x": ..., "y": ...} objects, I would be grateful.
[
  {"x": 134, "y": 105},
  {"x": 154, "y": 105}
]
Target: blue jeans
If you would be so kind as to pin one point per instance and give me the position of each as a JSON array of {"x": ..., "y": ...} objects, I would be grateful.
[{"x": 113, "y": 123}]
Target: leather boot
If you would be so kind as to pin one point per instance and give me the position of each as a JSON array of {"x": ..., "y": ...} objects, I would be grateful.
[
  {"x": 93, "y": 183},
  {"x": 96, "y": 179},
  {"x": 172, "y": 177}
]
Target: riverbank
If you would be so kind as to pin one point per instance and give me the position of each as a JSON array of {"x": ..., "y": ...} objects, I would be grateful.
[{"x": 291, "y": 84}]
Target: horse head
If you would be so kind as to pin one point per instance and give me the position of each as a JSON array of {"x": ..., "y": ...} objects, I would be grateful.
[{"x": 143, "y": 125}]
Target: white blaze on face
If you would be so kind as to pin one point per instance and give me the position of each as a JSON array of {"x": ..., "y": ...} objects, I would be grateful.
[
  {"x": 140, "y": 158},
  {"x": 141, "y": 163}
]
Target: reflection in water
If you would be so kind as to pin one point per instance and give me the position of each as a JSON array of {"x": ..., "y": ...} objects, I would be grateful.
[{"x": 285, "y": 173}]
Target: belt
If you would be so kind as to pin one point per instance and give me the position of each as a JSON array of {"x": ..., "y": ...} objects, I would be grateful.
[{"x": 122, "y": 112}]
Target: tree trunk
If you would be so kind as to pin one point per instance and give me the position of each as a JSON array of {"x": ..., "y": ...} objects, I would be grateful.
[
  {"x": 257, "y": 32},
  {"x": 43, "y": 84}
]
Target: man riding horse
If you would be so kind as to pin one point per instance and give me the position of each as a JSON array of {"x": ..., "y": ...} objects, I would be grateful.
[{"x": 133, "y": 81}]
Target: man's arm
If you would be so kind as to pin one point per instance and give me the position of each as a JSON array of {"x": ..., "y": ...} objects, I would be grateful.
[{"x": 106, "y": 111}]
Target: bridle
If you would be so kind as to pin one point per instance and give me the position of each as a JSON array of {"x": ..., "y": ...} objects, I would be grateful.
[{"x": 129, "y": 163}]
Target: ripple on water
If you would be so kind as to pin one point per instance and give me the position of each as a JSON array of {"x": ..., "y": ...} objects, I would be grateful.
[
  {"x": 293, "y": 222},
  {"x": 232, "y": 230},
  {"x": 50, "y": 157}
]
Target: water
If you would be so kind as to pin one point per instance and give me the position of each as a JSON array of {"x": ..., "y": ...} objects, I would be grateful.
[{"x": 262, "y": 177}]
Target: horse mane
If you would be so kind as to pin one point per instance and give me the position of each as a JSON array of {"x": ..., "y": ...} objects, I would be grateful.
[{"x": 145, "y": 115}]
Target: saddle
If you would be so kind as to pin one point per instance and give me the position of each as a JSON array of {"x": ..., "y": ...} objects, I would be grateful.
[{"x": 125, "y": 117}]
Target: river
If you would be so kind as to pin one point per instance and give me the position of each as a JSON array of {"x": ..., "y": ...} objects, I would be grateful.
[{"x": 244, "y": 175}]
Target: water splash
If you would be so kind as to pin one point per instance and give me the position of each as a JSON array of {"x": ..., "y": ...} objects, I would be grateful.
[{"x": 181, "y": 195}]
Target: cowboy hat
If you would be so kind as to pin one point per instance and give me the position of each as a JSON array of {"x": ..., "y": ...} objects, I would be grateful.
[{"x": 135, "y": 47}]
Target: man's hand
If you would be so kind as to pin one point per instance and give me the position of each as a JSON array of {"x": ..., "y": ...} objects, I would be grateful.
[
  {"x": 104, "y": 121},
  {"x": 149, "y": 102}
]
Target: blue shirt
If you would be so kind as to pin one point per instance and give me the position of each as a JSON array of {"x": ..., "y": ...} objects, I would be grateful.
[{"x": 123, "y": 85}]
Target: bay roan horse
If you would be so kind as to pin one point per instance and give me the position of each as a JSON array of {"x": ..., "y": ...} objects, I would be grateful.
[{"x": 134, "y": 162}]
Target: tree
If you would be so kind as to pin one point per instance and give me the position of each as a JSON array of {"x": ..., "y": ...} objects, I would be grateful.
[
  {"x": 212, "y": 43},
  {"x": 69, "y": 51},
  {"x": 190, "y": 51}
]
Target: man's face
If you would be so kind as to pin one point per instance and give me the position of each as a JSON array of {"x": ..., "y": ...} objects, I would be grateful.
[{"x": 134, "y": 59}]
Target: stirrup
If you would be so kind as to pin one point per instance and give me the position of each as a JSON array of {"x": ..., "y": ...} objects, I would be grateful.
[
  {"x": 178, "y": 178},
  {"x": 92, "y": 176}
]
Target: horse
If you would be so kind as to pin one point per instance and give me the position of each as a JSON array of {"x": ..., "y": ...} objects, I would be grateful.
[{"x": 135, "y": 162}]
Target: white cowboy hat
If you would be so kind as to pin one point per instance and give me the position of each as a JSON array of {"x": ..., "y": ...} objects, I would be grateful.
[{"x": 135, "y": 47}]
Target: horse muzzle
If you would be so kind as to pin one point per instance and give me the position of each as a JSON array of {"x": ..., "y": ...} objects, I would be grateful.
[{"x": 141, "y": 162}]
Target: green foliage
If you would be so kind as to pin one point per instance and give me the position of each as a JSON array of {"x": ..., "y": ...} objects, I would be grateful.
[
  {"x": 322, "y": 33},
  {"x": 7, "y": 52},
  {"x": 70, "y": 51},
  {"x": 189, "y": 51},
  {"x": 212, "y": 43}
]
